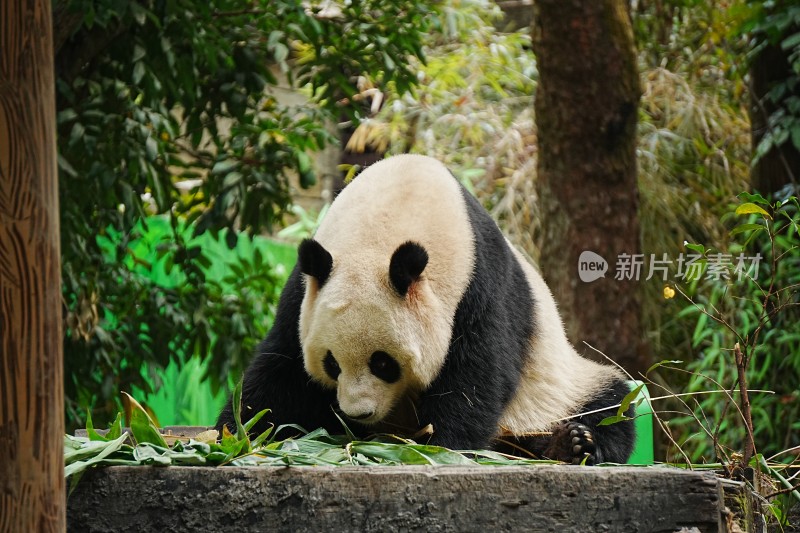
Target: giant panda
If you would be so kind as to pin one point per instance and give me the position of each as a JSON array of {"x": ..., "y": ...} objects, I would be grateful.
[{"x": 409, "y": 308}]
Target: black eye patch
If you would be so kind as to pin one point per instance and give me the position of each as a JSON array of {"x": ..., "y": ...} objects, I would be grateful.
[
  {"x": 384, "y": 366},
  {"x": 331, "y": 366}
]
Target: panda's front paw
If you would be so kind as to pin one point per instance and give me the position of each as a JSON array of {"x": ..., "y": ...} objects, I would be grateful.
[{"x": 573, "y": 442}]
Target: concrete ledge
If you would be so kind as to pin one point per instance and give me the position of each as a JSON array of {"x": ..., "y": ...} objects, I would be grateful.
[{"x": 488, "y": 499}]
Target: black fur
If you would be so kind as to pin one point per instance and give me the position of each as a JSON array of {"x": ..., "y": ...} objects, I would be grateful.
[
  {"x": 314, "y": 260},
  {"x": 406, "y": 266},
  {"x": 614, "y": 442},
  {"x": 331, "y": 366},
  {"x": 385, "y": 367}
]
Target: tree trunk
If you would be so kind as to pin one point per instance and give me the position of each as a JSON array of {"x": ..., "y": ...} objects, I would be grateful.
[
  {"x": 780, "y": 165},
  {"x": 586, "y": 105},
  {"x": 32, "y": 496}
]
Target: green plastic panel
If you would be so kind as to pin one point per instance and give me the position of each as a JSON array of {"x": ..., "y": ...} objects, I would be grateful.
[{"x": 643, "y": 448}]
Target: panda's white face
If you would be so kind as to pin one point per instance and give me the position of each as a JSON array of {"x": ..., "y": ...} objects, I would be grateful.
[{"x": 364, "y": 348}]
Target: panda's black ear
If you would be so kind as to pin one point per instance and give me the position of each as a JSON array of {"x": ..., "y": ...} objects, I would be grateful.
[
  {"x": 407, "y": 264},
  {"x": 314, "y": 260}
]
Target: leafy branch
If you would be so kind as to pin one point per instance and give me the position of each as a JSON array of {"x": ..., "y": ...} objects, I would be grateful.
[{"x": 755, "y": 323}]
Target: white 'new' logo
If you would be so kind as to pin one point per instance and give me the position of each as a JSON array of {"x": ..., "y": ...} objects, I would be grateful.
[{"x": 591, "y": 266}]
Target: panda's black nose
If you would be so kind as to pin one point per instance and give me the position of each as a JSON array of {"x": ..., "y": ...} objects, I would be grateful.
[{"x": 362, "y": 416}]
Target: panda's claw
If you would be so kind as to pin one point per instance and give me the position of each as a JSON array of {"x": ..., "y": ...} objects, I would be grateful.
[{"x": 573, "y": 443}]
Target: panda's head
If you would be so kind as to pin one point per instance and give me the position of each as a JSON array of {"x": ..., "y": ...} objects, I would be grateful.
[{"x": 366, "y": 327}]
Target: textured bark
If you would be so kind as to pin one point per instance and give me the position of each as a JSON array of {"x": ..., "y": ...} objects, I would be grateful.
[
  {"x": 586, "y": 106},
  {"x": 780, "y": 165},
  {"x": 384, "y": 499},
  {"x": 32, "y": 496}
]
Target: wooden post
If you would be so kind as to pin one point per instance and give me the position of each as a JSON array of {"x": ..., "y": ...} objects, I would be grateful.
[{"x": 32, "y": 496}]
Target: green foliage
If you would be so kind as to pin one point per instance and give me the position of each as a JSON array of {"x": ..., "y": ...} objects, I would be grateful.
[
  {"x": 707, "y": 43},
  {"x": 171, "y": 107},
  {"x": 761, "y": 312},
  {"x": 181, "y": 395},
  {"x": 693, "y": 157},
  {"x": 144, "y": 445},
  {"x": 346, "y": 40},
  {"x": 700, "y": 40},
  {"x": 474, "y": 81},
  {"x": 156, "y": 312}
]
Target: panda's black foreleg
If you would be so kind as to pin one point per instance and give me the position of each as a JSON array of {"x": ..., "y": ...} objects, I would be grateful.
[
  {"x": 462, "y": 419},
  {"x": 465, "y": 402},
  {"x": 277, "y": 380}
]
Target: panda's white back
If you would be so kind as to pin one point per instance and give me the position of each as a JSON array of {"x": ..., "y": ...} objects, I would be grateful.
[{"x": 555, "y": 379}]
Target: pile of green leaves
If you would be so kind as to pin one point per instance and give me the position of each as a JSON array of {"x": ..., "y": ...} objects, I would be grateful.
[
  {"x": 171, "y": 108},
  {"x": 145, "y": 445}
]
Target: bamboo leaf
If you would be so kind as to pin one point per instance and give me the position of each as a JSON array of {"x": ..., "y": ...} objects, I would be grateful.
[
  {"x": 236, "y": 399},
  {"x": 93, "y": 435},
  {"x": 115, "y": 430},
  {"x": 628, "y": 399},
  {"x": 254, "y": 420},
  {"x": 142, "y": 426},
  {"x": 663, "y": 363},
  {"x": 613, "y": 420},
  {"x": 415, "y": 454},
  {"x": 148, "y": 455},
  {"x": 699, "y": 248},
  {"x": 95, "y": 451}
]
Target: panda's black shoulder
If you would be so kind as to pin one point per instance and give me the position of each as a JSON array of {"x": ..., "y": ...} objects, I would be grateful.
[{"x": 498, "y": 301}]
